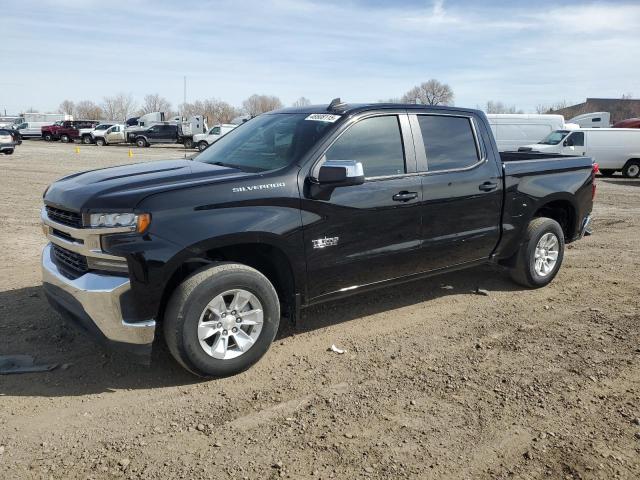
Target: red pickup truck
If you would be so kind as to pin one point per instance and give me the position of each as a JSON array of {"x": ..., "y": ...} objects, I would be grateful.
[{"x": 66, "y": 131}]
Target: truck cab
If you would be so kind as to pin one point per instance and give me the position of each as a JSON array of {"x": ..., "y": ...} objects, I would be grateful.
[
  {"x": 203, "y": 140},
  {"x": 111, "y": 135}
]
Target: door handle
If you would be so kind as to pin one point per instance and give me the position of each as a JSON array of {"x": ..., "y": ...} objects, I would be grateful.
[
  {"x": 404, "y": 196},
  {"x": 488, "y": 186}
]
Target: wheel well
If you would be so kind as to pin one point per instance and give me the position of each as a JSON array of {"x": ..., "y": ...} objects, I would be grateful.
[
  {"x": 634, "y": 160},
  {"x": 268, "y": 260},
  {"x": 562, "y": 212}
]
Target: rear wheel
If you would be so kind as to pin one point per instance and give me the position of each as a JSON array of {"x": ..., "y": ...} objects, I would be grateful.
[
  {"x": 100, "y": 142},
  {"x": 540, "y": 255},
  {"x": 631, "y": 169},
  {"x": 141, "y": 142},
  {"x": 64, "y": 138},
  {"x": 202, "y": 145},
  {"x": 221, "y": 320},
  {"x": 188, "y": 143},
  {"x": 48, "y": 137},
  {"x": 607, "y": 172},
  {"x": 9, "y": 152}
]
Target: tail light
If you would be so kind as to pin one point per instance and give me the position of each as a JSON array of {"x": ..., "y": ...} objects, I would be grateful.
[{"x": 596, "y": 169}]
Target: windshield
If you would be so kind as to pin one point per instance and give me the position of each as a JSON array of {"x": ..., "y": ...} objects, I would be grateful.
[
  {"x": 267, "y": 142},
  {"x": 554, "y": 138}
]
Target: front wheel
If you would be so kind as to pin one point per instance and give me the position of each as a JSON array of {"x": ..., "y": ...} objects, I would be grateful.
[
  {"x": 8, "y": 152},
  {"x": 86, "y": 139},
  {"x": 632, "y": 169},
  {"x": 188, "y": 143},
  {"x": 100, "y": 142},
  {"x": 221, "y": 320},
  {"x": 141, "y": 142},
  {"x": 64, "y": 138},
  {"x": 202, "y": 145},
  {"x": 48, "y": 137},
  {"x": 540, "y": 255}
]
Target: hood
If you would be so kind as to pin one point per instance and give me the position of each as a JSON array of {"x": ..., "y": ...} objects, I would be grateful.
[{"x": 125, "y": 186}]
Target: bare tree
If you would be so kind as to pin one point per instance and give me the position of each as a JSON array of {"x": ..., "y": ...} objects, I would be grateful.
[
  {"x": 119, "y": 107},
  {"x": 154, "y": 103},
  {"x": 627, "y": 96},
  {"x": 68, "y": 107},
  {"x": 88, "y": 110},
  {"x": 541, "y": 108},
  {"x": 499, "y": 107},
  {"x": 216, "y": 111},
  {"x": 257, "y": 104},
  {"x": 431, "y": 92},
  {"x": 301, "y": 102}
]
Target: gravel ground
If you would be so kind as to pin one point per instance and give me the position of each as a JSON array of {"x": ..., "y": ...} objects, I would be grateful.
[{"x": 436, "y": 381}]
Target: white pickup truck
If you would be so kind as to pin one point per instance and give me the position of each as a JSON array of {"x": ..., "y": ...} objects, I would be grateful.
[
  {"x": 203, "y": 140},
  {"x": 87, "y": 135}
]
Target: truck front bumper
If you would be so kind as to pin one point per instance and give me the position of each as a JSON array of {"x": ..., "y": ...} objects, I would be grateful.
[{"x": 96, "y": 301}]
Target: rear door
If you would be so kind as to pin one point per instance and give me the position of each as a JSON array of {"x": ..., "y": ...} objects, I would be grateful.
[
  {"x": 115, "y": 134},
  {"x": 462, "y": 189},
  {"x": 362, "y": 234}
]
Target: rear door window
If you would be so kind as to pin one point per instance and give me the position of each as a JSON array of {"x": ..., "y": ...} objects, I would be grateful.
[
  {"x": 449, "y": 142},
  {"x": 376, "y": 142}
]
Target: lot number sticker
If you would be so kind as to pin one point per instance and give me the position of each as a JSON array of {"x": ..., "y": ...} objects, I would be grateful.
[{"x": 323, "y": 117}]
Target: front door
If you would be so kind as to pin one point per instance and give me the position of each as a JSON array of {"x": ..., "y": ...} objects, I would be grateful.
[
  {"x": 358, "y": 235},
  {"x": 574, "y": 144},
  {"x": 462, "y": 190}
]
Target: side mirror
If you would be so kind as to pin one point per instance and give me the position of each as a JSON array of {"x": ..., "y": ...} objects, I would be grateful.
[{"x": 340, "y": 173}]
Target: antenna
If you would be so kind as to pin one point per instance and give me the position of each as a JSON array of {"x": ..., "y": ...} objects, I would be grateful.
[{"x": 336, "y": 104}]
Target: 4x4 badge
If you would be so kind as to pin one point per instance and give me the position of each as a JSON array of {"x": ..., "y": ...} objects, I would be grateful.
[{"x": 325, "y": 242}]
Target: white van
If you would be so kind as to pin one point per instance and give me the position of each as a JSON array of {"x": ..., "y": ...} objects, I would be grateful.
[
  {"x": 513, "y": 130},
  {"x": 613, "y": 149},
  {"x": 593, "y": 120},
  {"x": 31, "y": 129}
]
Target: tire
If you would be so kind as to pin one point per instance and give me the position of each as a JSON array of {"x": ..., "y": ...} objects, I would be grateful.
[
  {"x": 188, "y": 143},
  {"x": 48, "y": 137},
  {"x": 100, "y": 142},
  {"x": 8, "y": 152},
  {"x": 202, "y": 145},
  {"x": 524, "y": 270},
  {"x": 189, "y": 306},
  {"x": 141, "y": 142},
  {"x": 87, "y": 140},
  {"x": 64, "y": 138},
  {"x": 607, "y": 172},
  {"x": 631, "y": 169}
]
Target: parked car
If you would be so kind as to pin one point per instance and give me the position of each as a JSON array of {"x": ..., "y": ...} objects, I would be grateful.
[
  {"x": 112, "y": 135},
  {"x": 203, "y": 140},
  {"x": 614, "y": 149},
  {"x": 69, "y": 133},
  {"x": 628, "y": 123},
  {"x": 297, "y": 207},
  {"x": 513, "y": 130},
  {"x": 7, "y": 141},
  {"x": 30, "y": 129},
  {"x": 87, "y": 134}
]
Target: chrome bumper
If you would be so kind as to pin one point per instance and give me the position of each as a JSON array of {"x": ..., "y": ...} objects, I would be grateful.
[{"x": 95, "y": 298}]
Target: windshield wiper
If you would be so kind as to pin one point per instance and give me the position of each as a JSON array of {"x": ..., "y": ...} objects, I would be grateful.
[{"x": 228, "y": 165}]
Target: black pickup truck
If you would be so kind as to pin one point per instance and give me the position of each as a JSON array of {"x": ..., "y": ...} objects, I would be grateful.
[{"x": 296, "y": 207}]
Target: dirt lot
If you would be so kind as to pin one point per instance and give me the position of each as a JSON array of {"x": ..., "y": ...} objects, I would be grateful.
[{"x": 435, "y": 383}]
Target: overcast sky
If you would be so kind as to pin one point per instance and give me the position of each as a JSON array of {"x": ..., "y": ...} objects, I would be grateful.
[{"x": 522, "y": 53}]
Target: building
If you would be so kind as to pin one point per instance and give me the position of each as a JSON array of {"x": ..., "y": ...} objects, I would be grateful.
[{"x": 620, "y": 108}]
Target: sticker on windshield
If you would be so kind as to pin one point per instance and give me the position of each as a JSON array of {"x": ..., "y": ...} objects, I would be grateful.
[{"x": 323, "y": 117}]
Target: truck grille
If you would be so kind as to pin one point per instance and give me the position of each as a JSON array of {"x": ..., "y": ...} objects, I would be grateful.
[
  {"x": 73, "y": 264},
  {"x": 65, "y": 217}
]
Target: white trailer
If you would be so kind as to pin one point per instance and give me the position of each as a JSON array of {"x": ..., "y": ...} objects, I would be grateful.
[{"x": 592, "y": 120}]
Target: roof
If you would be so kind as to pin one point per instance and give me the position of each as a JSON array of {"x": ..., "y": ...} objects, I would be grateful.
[{"x": 352, "y": 108}]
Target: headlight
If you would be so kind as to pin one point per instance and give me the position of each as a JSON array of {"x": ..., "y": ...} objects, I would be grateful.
[{"x": 106, "y": 220}]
